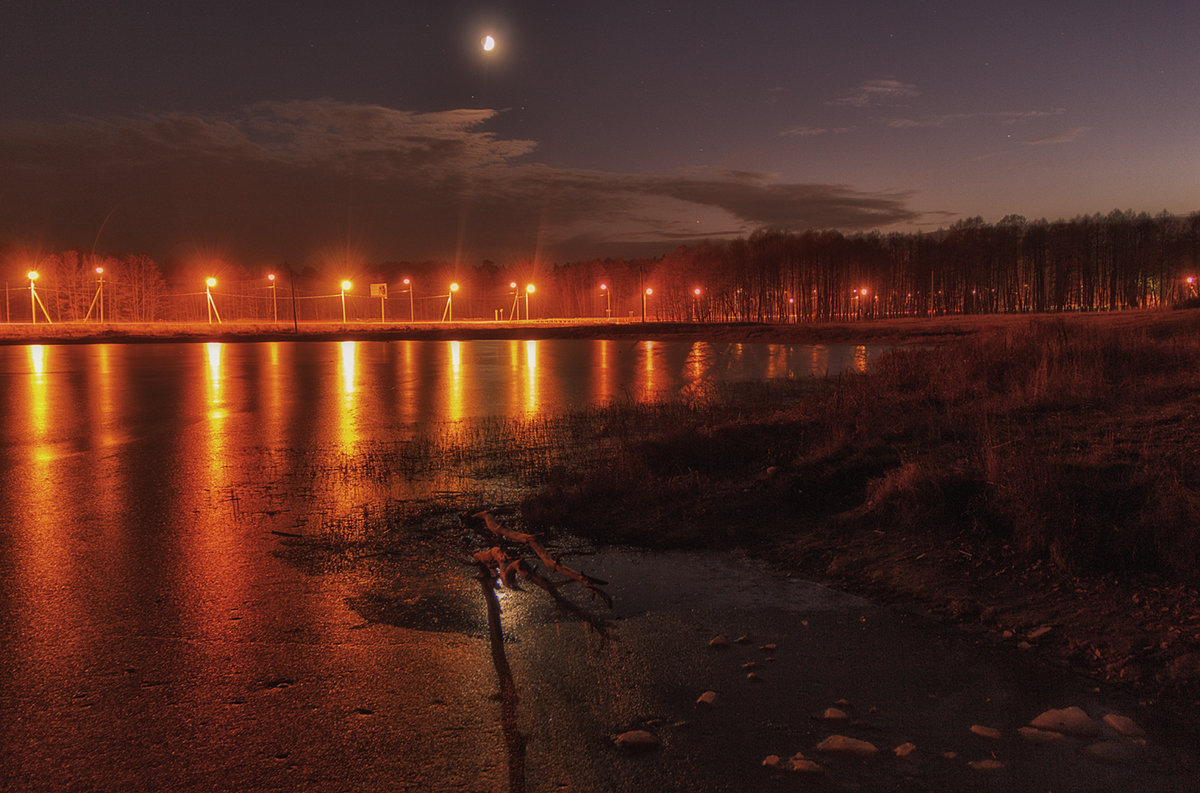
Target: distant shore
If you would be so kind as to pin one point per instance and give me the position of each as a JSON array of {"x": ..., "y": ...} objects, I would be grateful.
[{"x": 906, "y": 330}]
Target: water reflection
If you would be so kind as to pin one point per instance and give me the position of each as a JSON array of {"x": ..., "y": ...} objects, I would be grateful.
[
  {"x": 214, "y": 350},
  {"x": 531, "y": 378}
]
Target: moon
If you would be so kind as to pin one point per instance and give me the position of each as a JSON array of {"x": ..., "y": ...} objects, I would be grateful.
[{"x": 489, "y": 43}]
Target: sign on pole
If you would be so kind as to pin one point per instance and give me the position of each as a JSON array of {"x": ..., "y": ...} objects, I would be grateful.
[{"x": 378, "y": 290}]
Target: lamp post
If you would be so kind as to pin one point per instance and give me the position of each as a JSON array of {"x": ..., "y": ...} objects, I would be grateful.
[
  {"x": 607, "y": 301},
  {"x": 411, "y": 311},
  {"x": 645, "y": 294},
  {"x": 529, "y": 290},
  {"x": 696, "y": 300},
  {"x": 512, "y": 312},
  {"x": 274, "y": 303},
  {"x": 100, "y": 291},
  {"x": 212, "y": 307},
  {"x": 1191, "y": 282},
  {"x": 345, "y": 288},
  {"x": 33, "y": 298},
  {"x": 449, "y": 315}
]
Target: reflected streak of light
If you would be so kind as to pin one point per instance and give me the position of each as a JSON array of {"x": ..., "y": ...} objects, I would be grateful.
[
  {"x": 860, "y": 359},
  {"x": 698, "y": 360},
  {"x": 531, "y": 381},
  {"x": 454, "y": 407},
  {"x": 39, "y": 404},
  {"x": 604, "y": 385},
  {"x": 214, "y": 350},
  {"x": 348, "y": 370},
  {"x": 651, "y": 376},
  {"x": 349, "y": 350},
  {"x": 820, "y": 360}
]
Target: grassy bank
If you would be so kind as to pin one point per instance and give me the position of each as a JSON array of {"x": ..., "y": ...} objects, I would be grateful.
[{"x": 1028, "y": 477}]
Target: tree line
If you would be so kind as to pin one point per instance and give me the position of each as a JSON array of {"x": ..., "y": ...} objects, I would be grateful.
[{"x": 1091, "y": 263}]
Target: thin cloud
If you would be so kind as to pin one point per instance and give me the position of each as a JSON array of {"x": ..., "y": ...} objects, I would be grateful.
[
  {"x": 1066, "y": 136},
  {"x": 813, "y": 132},
  {"x": 285, "y": 179},
  {"x": 946, "y": 119},
  {"x": 880, "y": 92}
]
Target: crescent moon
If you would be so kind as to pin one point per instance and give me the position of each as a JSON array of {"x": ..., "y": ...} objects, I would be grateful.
[{"x": 489, "y": 43}]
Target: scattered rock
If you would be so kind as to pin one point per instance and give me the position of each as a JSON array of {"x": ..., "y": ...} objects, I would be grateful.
[
  {"x": 950, "y": 755},
  {"x": 708, "y": 699},
  {"x": 834, "y": 714},
  {"x": 986, "y": 732},
  {"x": 843, "y": 702},
  {"x": 1006, "y": 634},
  {"x": 637, "y": 741},
  {"x": 1038, "y": 633},
  {"x": 840, "y": 744},
  {"x": 771, "y": 761},
  {"x": 768, "y": 648},
  {"x": 1023, "y": 645},
  {"x": 1124, "y": 725},
  {"x": 718, "y": 641},
  {"x": 752, "y": 676},
  {"x": 1034, "y": 735},
  {"x": 1115, "y": 752},
  {"x": 742, "y": 640},
  {"x": 990, "y": 764},
  {"x": 683, "y": 724},
  {"x": 750, "y": 665},
  {"x": 905, "y": 749},
  {"x": 802, "y": 765},
  {"x": 1072, "y": 721}
]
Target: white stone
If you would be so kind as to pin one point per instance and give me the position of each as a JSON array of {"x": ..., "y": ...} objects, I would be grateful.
[
  {"x": 1072, "y": 721},
  {"x": 840, "y": 744},
  {"x": 905, "y": 749},
  {"x": 708, "y": 698},
  {"x": 637, "y": 740},
  {"x": 1124, "y": 725},
  {"x": 986, "y": 732}
]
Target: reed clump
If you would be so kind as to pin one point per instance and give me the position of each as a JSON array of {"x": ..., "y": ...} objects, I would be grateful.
[{"x": 1069, "y": 441}]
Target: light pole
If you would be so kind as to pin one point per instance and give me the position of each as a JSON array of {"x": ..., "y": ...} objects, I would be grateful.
[
  {"x": 1191, "y": 282},
  {"x": 448, "y": 315},
  {"x": 512, "y": 312},
  {"x": 607, "y": 301},
  {"x": 345, "y": 288},
  {"x": 645, "y": 294},
  {"x": 212, "y": 307},
  {"x": 274, "y": 303},
  {"x": 35, "y": 301},
  {"x": 529, "y": 290},
  {"x": 99, "y": 298},
  {"x": 411, "y": 312},
  {"x": 696, "y": 300}
]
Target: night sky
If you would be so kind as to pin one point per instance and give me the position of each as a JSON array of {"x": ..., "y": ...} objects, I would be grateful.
[{"x": 255, "y": 132}]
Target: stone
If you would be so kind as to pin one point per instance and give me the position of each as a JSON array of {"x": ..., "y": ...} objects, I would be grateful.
[
  {"x": 905, "y": 749},
  {"x": 768, "y": 648},
  {"x": 1071, "y": 721},
  {"x": 986, "y": 732},
  {"x": 834, "y": 714},
  {"x": 840, "y": 744},
  {"x": 637, "y": 741},
  {"x": 1124, "y": 725},
  {"x": 950, "y": 755},
  {"x": 771, "y": 761},
  {"x": 1038, "y": 633},
  {"x": 1043, "y": 737},
  {"x": 990, "y": 764},
  {"x": 752, "y": 676},
  {"x": 743, "y": 639},
  {"x": 708, "y": 699},
  {"x": 1114, "y": 752},
  {"x": 718, "y": 641},
  {"x": 750, "y": 665},
  {"x": 802, "y": 765}
]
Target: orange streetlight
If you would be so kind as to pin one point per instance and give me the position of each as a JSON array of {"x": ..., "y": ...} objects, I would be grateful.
[
  {"x": 529, "y": 290},
  {"x": 448, "y": 316},
  {"x": 274, "y": 302},
  {"x": 33, "y": 298},
  {"x": 345, "y": 288},
  {"x": 411, "y": 311},
  {"x": 645, "y": 295},
  {"x": 512, "y": 312},
  {"x": 209, "y": 283},
  {"x": 696, "y": 301},
  {"x": 607, "y": 300}
]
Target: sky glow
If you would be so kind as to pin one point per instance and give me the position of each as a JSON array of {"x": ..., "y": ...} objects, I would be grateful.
[{"x": 627, "y": 128}]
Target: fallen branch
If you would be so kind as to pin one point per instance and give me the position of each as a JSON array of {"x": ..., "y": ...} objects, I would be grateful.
[{"x": 529, "y": 541}]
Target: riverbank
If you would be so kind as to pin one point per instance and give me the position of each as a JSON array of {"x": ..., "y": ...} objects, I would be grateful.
[
  {"x": 1034, "y": 483},
  {"x": 906, "y": 330}
]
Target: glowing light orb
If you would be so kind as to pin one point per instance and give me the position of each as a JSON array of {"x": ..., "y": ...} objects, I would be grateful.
[
  {"x": 489, "y": 43},
  {"x": 530, "y": 289},
  {"x": 453, "y": 287},
  {"x": 346, "y": 286},
  {"x": 211, "y": 282},
  {"x": 33, "y": 275}
]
